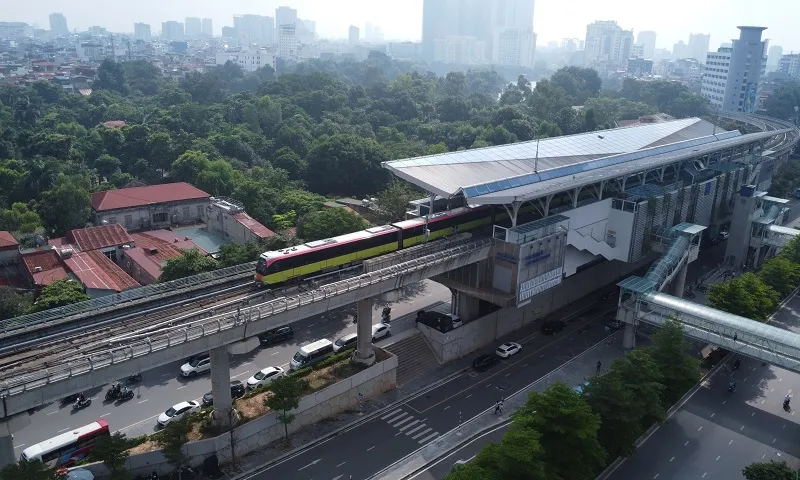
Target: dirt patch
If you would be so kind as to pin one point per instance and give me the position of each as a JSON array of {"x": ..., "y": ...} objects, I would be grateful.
[
  {"x": 252, "y": 407},
  {"x": 147, "y": 446}
]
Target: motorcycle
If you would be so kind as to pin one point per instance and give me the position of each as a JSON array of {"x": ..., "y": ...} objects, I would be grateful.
[
  {"x": 732, "y": 387},
  {"x": 386, "y": 316},
  {"x": 125, "y": 395},
  {"x": 69, "y": 399},
  {"x": 81, "y": 405}
]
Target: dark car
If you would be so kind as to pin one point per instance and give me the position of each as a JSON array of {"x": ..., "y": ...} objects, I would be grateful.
[
  {"x": 553, "y": 326},
  {"x": 615, "y": 324},
  {"x": 237, "y": 390},
  {"x": 276, "y": 335},
  {"x": 485, "y": 362}
]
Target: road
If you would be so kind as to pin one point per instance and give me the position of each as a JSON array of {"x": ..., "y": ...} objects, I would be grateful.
[
  {"x": 370, "y": 446},
  {"x": 444, "y": 465},
  {"x": 163, "y": 387}
]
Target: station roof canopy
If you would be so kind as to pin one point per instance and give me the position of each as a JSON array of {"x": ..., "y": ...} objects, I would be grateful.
[{"x": 509, "y": 173}]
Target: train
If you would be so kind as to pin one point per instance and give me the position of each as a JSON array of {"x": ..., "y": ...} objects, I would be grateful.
[{"x": 331, "y": 254}]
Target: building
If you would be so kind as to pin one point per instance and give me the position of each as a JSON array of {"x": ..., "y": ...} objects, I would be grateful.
[
  {"x": 98, "y": 274},
  {"x": 459, "y": 51},
  {"x": 354, "y": 35},
  {"x": 698, "y": 46},
  {"x": 153, "y": 249},
  {"x": 790, "y": 65},
  {"x": 58, "y": 24},
  {"x": 647, "y": 40},
  {"x": 152, "y": 207},
  {"x": 208, "y": 27},
  {"x": 44, "y": 267},
  {"x": 514, "y": 46},
  {"x": 734, "y": 76},
  {"x": 230, "y": 33},
  {"x": 640, "y": 66},
  {"x": 106, "y": 239},
  {"x": 250, "y": 60},
  {"x": 9, "y": 248},
  {"x": 637, "y": 51},
  {"x": 287, "y": 41},
  {"x": 255, "y": 29},
  {"x": 433, "y": 27},
  {"x": 193, "y": 27},
  {"x": 680, "y": 50},
  {"x": 774, "y": 58},
  {"x": 141, "y": 31},
  {"x": 607, "y": 42},
  {"x": 285, "y": 16},
  {"x": 172, "y": 31},
  {"x": 15, "y": 30},
  {"x": 228, "y": 218},
  {"x": 404, "y": 50}
]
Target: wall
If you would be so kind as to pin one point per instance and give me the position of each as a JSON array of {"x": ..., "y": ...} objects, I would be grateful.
[
  {"x": 142, "y": 218},
  {"x": 590, "y": 223},
  {"x": 259, "y": 433}
]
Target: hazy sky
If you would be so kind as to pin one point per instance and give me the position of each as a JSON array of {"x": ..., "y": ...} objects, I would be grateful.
[{"x": 673, "y": 20}]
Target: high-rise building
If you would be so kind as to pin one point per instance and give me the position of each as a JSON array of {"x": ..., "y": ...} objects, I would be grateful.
[
  {"x": 208, "y": 27},
  {"x": 287, "y": 40},
  {"x": 774, "y": 58},
  {"x": 680, "y": 50},
  {"x": 607, "y": 42},
  {"x": 734, "y": 75},
  {"x": 698, "y": 46},
  {"x": 58, "y": 24},
  {"x": 790, "y": 65},
  {"x": 354, "y": 35},
  {"x": 459, "y": 50},
  {"x": 647, "y": 40},
  {"x": 514, "y": 46},
  {"x": 438, "y": 21},
  {"x": 172, "y": 31},
  {"x": 637, "y": 51},
  {"x": 255, "y": 29},
  {"x": 193, "y": 27},
  {"x": 285, "y": 16},
  {"x": 141, "y": 31}
]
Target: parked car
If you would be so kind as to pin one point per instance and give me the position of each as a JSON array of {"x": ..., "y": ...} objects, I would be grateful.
[
  {"x": 615, "y": 324},
  {"x": 553, "y": 326},
  {"x": 264, "y": 376},
  {"x": 508, "y": 349},
  {"x": 195, "y": 365},
  {"x": 381, "y": 330},
  {"x": 177, "y": 411},
  {"x": 444, "y": 322},
  {"x": 237, "y": 390},
  {"x": 485, "y": 362},
  {"x": 345, "y": 342},
  {"x": 276, "y": 335}
]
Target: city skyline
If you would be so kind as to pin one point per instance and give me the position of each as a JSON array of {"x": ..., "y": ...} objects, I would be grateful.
[{"x": 553, "y": 21}]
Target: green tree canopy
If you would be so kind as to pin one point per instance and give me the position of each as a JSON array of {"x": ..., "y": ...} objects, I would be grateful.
[
  {"x": 284, "y": 395},
  {"x": 346, "y": 163},
  {"x": 11, "y": 303},
  {"x": 172, "y": 439},
  {"x": 746, "y": 296},
  {"x": 58, "y": 294},
  {"x": 679, "y": 370},
  {"x": 191, "y": 262},
  {"x": 34, "y": 470},
  {"x": 113, "y": 452},
  {"x": 65, "y": 207},
  {"x": 781, "y": 274},
  {"x": 771, "y": 470},
  {"x": 329, "y": 222},
  {"x": 20, "y": 218},
  {"x": 236, "y": 254}
]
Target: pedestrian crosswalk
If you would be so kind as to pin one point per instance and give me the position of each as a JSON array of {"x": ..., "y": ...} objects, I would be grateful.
[{"x": 410, "y": 426}]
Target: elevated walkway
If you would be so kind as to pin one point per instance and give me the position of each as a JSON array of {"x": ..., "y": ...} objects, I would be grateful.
[{"x": 778, "y": 236}]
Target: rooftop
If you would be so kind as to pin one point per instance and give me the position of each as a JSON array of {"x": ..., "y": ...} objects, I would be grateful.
[
  {"x": 143, "y": 196},
  {"x": 95, "y": 238},
  {"x": 151, "y": 259},
  {"x": 253, "y": 225},
  {"x": 96, "y": 271},
  {"x": 7, "y": 241},
  {"x": 45, "y": 267}
]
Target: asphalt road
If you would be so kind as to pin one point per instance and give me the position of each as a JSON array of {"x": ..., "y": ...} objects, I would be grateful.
[
  {"x": 163, "y": 387},
  {"x": 369, "y": 447},
  {"x": 444, "y": 465}
]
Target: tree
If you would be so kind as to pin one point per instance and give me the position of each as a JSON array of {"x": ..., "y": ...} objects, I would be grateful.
[
  {"x": 172, "y": 439},
  {"x": 65, "y": 207},
  {"x": 111, "y": 76},
  {"x": 11, "y": 303},
  {"x": 58, "y": 294},
  {"x": 469, "y": 472},
  {"x": 285, "y": 394},
  {"x": 791, "y": 250},
  {"x": 345, "y": 164},
  {"x": 620, "y": 414},
  {"x": 330, "y": 222},
  {"x": 679, "y": 370},
  {"x": 746, "y": 296},
  {"x": 393, "y": 202},
  {"x": 20, "y": 218},
  {"x": 191, "y": 262},
  {"x": 113, "y": 452},
  {"x": 781, "y": 274},
  {"x": 189, "y": 166},
  {"x": 566, "y": 424},
  {"x": 641, "y": 376},
  {"x": 781, "y": 103},
  {"x": 33, "y": 470},
  {"x": 236, "y": 254},
  {"x": 771, "y": 470}
]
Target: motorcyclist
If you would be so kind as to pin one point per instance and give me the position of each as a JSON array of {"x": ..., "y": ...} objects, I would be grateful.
[
  {"x": 387, "y": 310},
  {"x": 737, "y": 364},
  {"x": 81, "y": 398},
  {"x": 732, "y": 386}
]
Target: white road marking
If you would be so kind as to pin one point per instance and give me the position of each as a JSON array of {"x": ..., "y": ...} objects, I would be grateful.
[
  {"x": 19, "y": 446},
  {"x": 337, "y": 466},
  {"x": 273, "y": 354},
  {"x": 774, "y": 440},
  {"x": 146, "y": 399},
  {"x": 240, "y": 374},
  {"x": 407, "y": 419},
  {"x": 416, "y": 429},
  {"x": 699, "y": 428},
  {"x": 393, "y": 412},
  {"x": 771, "y": 390},
  {"x": 310, "y": 464},
  {"x": 167, "y": 375},
  {"x": 52, "y": 413},
  {"x": 105, "y": 414},
  {"x": 524, "y": 364},
  {"x": 403, "y": 414},
  {"x": 424, "y": 432},
  {"x": 671, "y": 459},
  {"x": 687, "y": 443},
  {"x": 429, "y": 437},
  {"x": 762, "y": 402},
  {"x": 741, "y": 428},
  {"x": 182, "y": 387},
  {"x": 730, "y": 442},
  {"x": 712, "y": 415},
  {"x": 447, "y": 407},
  {"x": 64, "y": 430},
  {"x": 718, "y": 457},
  {"x": 409, "y": 425},
  {"x": 753, "y": 414},
  {"x": 370, "y": 448},
  {"x": 467, "y": 396},
  {"x": 542, "y": 355},
  {"x": 763, "y": 456},
  {"x": 725, "y": 401},
  {"x": 654, "y": 478},
  {"x": 704, "y": 475},
  {"x": 507, "y": 374}
]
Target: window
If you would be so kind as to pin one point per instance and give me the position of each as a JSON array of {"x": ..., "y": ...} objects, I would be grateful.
[
  {"x": 112, "y": 219},
  {"x": 199, "y": 211},
  {"x": 128, "y": 220},
  {"x": 160, "y": 217},
  {"x": 185, "y": 213}
]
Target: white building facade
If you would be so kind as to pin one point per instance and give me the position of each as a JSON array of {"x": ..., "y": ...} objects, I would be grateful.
[
  {"x": 459, "y": 50},
  {"x": 607, "y": 42},
  {"x": 734, "y": 76},
  {"x": 249, "y": 61},
  {"x": 790, "y": 65},
  {"x": 515, "y": 46},
  {"x": 287, "y": 41}
]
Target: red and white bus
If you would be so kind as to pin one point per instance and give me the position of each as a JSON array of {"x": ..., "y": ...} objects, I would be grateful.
[{"x": 65, "y": 449}]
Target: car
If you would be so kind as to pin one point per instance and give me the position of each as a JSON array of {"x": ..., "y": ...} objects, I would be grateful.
[
  {"x": 582, "y": 386},
  {"x": 553, "y": 326},
  {"x": 380, "y": 330},
  {"x": 237, "y": 390},
  {"x": 444, "y": 322},
  {"x": 264, "y": 376},
  {"x": 345, "y": 342},
  {"x": 508, "y": 349},
  {"x": 177, "y": 411},
  {"x": 195, "y": 365},
  {"x": 484, "y": 362},
  {"x": 615, "y": 324},
  {"x": 276, "y": 335}
]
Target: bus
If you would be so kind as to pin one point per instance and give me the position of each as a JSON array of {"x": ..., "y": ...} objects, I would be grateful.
[{"x": 63, "y": 450}]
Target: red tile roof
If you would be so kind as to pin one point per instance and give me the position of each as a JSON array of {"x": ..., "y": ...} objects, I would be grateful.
[
  {"x": 96, "y": 271},
  {"x": 150, "y": 261},
  {"x": 141, "y": 196},
  {"x": 156, "y": 238},
  {"x": 7, "y": 241},
  {"x": 94, "y": 238},
  {"x": 253, "y": 225},
  {"x": 52, "y": 268}
]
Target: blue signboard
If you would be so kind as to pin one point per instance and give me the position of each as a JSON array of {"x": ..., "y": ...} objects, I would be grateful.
[
  {"x": 536, "y": 257},
  {"x": 707, "y": 190},
  {"x": 506, "y": 257}
]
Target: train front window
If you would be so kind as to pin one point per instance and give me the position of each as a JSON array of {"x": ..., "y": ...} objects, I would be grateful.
[{"x": 261, "y": 267}]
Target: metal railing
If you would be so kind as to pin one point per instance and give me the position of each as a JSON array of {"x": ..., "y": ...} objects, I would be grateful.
[{"x": 179, "y": 334}]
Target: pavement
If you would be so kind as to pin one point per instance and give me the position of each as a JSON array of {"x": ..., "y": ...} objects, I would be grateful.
[{"x": 163, "y": 387}]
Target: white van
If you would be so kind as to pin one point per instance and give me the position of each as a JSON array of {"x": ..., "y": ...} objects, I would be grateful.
[{"x": 312, "y": 353}]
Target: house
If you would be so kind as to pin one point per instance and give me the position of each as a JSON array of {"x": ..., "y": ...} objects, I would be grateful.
[
  {"x": 98, "y": 274},
  {"x": 108, "y": 239},
  {"x": 153, "y": 249},
  {"x": 44, "y": 267},
  {"x": 151, "y": 207},
  {"x": 227, "y": 218},
  {"x": 9, "y": 248}
]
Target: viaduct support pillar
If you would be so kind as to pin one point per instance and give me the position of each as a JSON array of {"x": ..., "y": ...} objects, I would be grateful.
[
  {"x": 364, "y": 352},
  {"x": 629, "y": 337},
  {"x": 7, "y": 456},
  {"x": 468, "y": 307},
  {"x": 7, "y": 427},
  {"x": 679, "y": 282},
  {"x": 224, "y": 415}
]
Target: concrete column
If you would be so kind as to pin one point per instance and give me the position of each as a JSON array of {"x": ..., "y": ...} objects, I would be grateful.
[
  {"x": 629, "y": 337},
  {"x": 468, "y": 307},
  {"x": 221, "y": 386},
  {"x": 679, "y": 282},
  {"x": 8, "y": 426},
  {"x": 364, "y": 352},
  {"x": 453, "y": 301},
  {"x": 7, "y": 456}
]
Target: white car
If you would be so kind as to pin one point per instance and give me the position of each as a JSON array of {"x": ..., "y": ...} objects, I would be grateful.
[
  {"x": 177, "y": 411},
  {"x": 508, "y": 349},
  {"x": 196, "y": 365},
  {"x": 264, "y": 377},
  {"x": 380, "y": 330}
]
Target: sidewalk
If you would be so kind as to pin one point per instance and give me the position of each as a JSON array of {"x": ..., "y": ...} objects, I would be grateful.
[{"x": 308, "y": 436}]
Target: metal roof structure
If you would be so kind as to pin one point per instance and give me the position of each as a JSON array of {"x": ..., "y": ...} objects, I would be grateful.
[{"x": 528, "y": 170}]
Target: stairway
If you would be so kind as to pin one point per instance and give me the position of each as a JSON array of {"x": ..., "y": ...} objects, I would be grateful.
[{"x": 414, "y": 357}]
